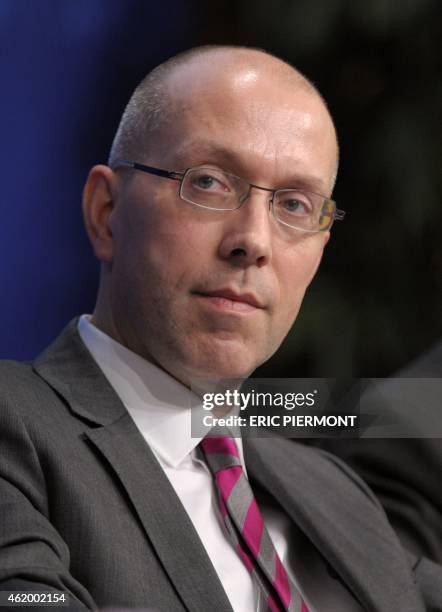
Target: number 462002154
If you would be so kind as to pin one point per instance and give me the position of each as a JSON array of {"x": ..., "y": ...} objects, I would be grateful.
[{"x": 34, "y": 597}]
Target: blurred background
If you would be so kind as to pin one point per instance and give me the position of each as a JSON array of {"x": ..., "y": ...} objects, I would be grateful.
[{"x": 67, "y": 70}]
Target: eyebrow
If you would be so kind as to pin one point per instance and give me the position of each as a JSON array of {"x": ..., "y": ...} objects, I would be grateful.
[
  {"x": 206, "y": 152},
  {"x": 196, "y": 150}
]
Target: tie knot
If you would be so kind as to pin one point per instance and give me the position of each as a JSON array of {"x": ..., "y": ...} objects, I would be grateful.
[{"x": 221, "y": 452}]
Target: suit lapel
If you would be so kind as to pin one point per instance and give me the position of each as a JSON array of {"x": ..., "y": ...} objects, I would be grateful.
[
  {"x": 165, "y": 521},
  {"x": 70, "y": 369},
  {"x": 330, "y": 509}
]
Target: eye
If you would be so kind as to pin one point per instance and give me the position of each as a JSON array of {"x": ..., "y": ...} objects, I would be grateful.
[
  {"x": 294, "y": 204},
  {"x": 208, "y": 182}
]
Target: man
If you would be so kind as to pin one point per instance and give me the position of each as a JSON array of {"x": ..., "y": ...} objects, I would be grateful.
[{"x": 209, "y": 229}]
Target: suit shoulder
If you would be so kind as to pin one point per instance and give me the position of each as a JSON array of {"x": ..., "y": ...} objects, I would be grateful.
[
  {"x": 16, "y": 375},
  {"x": 9, "y": 366},
  {"x": 22, "y": 390}
]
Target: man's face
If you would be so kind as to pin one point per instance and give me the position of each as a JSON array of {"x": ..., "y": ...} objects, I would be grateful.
[{"x": 175, "y": 265}]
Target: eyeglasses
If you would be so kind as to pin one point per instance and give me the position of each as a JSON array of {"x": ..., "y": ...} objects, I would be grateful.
[{"x": 215, "y": 189}]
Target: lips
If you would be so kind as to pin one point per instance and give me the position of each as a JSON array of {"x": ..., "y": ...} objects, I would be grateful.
[{"x": 229, "y": 294}]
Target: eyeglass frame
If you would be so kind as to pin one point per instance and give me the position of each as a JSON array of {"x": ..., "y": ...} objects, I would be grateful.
[{"x": 338, "y": 215}]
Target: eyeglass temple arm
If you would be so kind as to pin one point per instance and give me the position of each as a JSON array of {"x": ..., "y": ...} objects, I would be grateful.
[
  {"x": 339, "y": 215},
  {"x": 176, "y": 176}
]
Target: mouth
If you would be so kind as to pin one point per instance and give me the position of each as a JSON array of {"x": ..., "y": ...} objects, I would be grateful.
[{"x": 229, "y": 300}]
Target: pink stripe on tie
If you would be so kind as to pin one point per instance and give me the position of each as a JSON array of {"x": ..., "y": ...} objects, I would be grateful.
[
  {"x": 220, "y": 445},
  {"x": 252, "y": 528},
  {"x": 227, "y": 479},
  {"x": 304, "y": 607},
  {"x": 281, "y": 582}
]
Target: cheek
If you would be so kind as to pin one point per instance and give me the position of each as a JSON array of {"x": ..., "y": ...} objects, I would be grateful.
[
  {"x": 295, "y": 273},
  {"x": 164, "y": 255}
]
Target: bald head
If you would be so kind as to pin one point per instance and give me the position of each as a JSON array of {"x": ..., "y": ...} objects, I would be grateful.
[{"x": 160, "y": 99}]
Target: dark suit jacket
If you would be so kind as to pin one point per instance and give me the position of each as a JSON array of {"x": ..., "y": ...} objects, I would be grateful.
[
  {"x": 86, "y": 508},
  {"x": 405, "y": 473}
]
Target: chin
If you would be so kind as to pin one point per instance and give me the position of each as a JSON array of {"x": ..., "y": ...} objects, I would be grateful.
[
  {"x": 225, "y": 368},
  {"x": 215, "y": 360}
]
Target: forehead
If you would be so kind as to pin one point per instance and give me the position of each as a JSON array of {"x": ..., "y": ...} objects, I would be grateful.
[
  {"x": 251, "y": 123},
  {"x": 197, "y": 152}
]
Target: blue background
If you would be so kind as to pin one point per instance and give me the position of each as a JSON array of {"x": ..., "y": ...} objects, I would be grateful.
[{"x": 68, "y": 68}]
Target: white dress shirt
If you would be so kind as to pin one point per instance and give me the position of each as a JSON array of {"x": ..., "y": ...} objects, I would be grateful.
[{"x": 160, "y": 407}]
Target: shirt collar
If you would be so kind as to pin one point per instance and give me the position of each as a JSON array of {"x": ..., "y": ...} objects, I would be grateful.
[{"x": 159, "y": 405}]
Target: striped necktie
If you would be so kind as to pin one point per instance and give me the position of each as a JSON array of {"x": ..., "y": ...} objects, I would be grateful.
[{"x": 245, "y": 525}]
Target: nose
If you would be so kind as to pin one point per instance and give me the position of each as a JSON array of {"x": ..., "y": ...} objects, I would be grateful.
[{"x": 247, "y": 235}]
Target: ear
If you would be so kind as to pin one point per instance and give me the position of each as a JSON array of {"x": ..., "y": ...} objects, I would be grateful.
[{"x": 98, "y": 204}]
